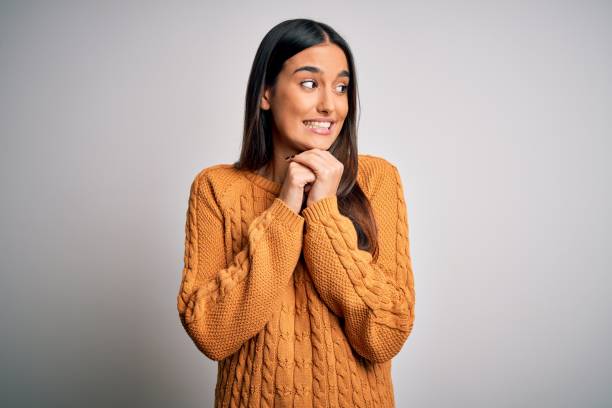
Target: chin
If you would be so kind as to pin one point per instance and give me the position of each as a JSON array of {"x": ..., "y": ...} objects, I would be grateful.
[
  {"x": 315, "y": 145},
  {"x": 321, "y": 142}
]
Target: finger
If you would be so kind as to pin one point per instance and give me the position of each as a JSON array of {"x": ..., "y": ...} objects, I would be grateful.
[
  {"x": 300, "y": 166},
  {"x": 332, "y": 162},
  {"x": 311, "y": 160},
  {"x": 329, "y": 158},
  {"x": 308, "y": 175},
  {"x": 325, "y": 165}
]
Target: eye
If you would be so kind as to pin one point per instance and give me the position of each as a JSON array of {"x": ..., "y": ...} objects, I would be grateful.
[
  {"x": 308, "y": 80},
  {"x": 344, "y": 90}
]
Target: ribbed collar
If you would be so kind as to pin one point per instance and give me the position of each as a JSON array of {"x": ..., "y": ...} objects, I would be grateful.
[{"x": 263, "y": 182}]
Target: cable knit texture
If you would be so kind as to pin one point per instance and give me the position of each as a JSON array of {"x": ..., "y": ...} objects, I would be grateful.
[{"x": 293, "y": 311}]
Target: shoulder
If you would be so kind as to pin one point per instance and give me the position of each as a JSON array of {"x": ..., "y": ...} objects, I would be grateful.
[
  {"x": 376, "y": 173},
  {"x": 374, "y": 163},
  {"x": 216, "y": 181}
]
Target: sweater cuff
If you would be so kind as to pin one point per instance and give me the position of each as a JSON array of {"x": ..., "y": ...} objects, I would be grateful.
[
  {"x": 286, "y": 215},
  {"x": 321, "y": 209}
]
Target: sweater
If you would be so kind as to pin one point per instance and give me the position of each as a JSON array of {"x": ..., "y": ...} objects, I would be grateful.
[{"x": 293, "y": 311}]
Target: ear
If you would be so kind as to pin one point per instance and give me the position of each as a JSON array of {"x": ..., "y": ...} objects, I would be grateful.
[{"x": 265, "y": 99}]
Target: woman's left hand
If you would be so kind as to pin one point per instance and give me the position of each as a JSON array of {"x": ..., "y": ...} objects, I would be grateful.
[{"x": 326, "y": 168}]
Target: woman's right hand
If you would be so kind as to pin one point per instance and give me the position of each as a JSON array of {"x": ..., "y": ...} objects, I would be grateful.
[{"x": 295, "y": 185}]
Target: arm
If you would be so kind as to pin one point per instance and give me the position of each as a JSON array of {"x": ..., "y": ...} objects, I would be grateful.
[
  {"x": 220, "y": 305},
  {"x": 375, "y": 297}
]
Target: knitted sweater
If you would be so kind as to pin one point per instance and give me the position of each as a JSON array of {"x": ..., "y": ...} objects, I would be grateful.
[{"x": 294, "y": 312}]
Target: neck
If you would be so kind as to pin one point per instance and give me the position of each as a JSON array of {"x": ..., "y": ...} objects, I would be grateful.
[{"x": 276, "y": 168}]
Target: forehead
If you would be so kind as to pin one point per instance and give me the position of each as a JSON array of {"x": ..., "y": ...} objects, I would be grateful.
[{"x": 328, "y": 57}]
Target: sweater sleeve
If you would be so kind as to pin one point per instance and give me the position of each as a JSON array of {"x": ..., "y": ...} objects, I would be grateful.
[
  {"x": 375, "y": 298},
  {"x": 222, "y": 305}
]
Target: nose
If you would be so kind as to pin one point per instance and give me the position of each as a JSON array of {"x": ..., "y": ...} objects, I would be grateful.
[{"x": 326, "y": 100}]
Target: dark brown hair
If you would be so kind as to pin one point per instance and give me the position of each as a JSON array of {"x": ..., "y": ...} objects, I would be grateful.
[{"x": 279, "y": 44}]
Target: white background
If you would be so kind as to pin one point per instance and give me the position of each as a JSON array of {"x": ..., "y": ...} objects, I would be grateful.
[{"x": 497, "y": 115}]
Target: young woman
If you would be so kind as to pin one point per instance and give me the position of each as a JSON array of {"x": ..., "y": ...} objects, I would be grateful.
[{"x": 298, "y": 278}]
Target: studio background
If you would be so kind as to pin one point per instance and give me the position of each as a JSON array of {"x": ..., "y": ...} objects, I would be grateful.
[{"x": 497, "y": 115}]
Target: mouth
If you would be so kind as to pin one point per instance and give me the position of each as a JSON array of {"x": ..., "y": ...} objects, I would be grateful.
[{"x": 323, "y": 125}]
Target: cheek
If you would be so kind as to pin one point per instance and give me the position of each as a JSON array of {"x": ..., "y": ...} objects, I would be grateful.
[
  {"x": 293, "y": 109},
  {"x": 345, "y": 108},
  {"x": 288, "y": 118}
]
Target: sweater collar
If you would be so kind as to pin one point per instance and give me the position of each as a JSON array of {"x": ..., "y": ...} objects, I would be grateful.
[{"x": 263, "y": 182}]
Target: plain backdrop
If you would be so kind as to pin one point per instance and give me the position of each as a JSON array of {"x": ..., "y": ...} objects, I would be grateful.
[{"x": 497, "y": 114}]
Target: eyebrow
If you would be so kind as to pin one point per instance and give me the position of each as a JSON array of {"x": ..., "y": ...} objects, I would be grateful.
[{"x": 310, "y": 68}]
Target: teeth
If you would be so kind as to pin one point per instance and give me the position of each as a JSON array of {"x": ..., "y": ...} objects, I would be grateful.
[{"x": 313, "y": 124}]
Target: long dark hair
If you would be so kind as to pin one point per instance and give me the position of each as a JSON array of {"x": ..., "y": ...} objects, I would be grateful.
[{"x": 282, "y": 42}]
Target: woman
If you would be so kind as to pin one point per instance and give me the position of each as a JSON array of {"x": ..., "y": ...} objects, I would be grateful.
[{"x": 298, "y": 277}]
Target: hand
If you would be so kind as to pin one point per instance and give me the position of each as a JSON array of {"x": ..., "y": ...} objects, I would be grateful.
[
  {"x": 327, "y": 170},
  {"x": 295, "y": 184}
]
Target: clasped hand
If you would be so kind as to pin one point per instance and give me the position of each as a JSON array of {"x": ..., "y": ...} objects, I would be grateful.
[{"x": 316, "y": 173}]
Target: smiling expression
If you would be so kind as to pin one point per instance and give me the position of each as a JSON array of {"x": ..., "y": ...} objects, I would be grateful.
[{"x": 312, "y": 85}]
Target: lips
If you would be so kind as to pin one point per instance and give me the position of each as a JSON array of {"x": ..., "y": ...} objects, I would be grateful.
[
  {"x": 331, "y": 122},
  {"x": 320, "y": 130},
  {"x": 319, "y": 119}
]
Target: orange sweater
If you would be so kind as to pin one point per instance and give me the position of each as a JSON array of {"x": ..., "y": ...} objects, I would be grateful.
[{"x": 296, "y": 314}]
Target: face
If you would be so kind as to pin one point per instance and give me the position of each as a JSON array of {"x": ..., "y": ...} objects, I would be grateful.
[{"x": 312, "y": 85}]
